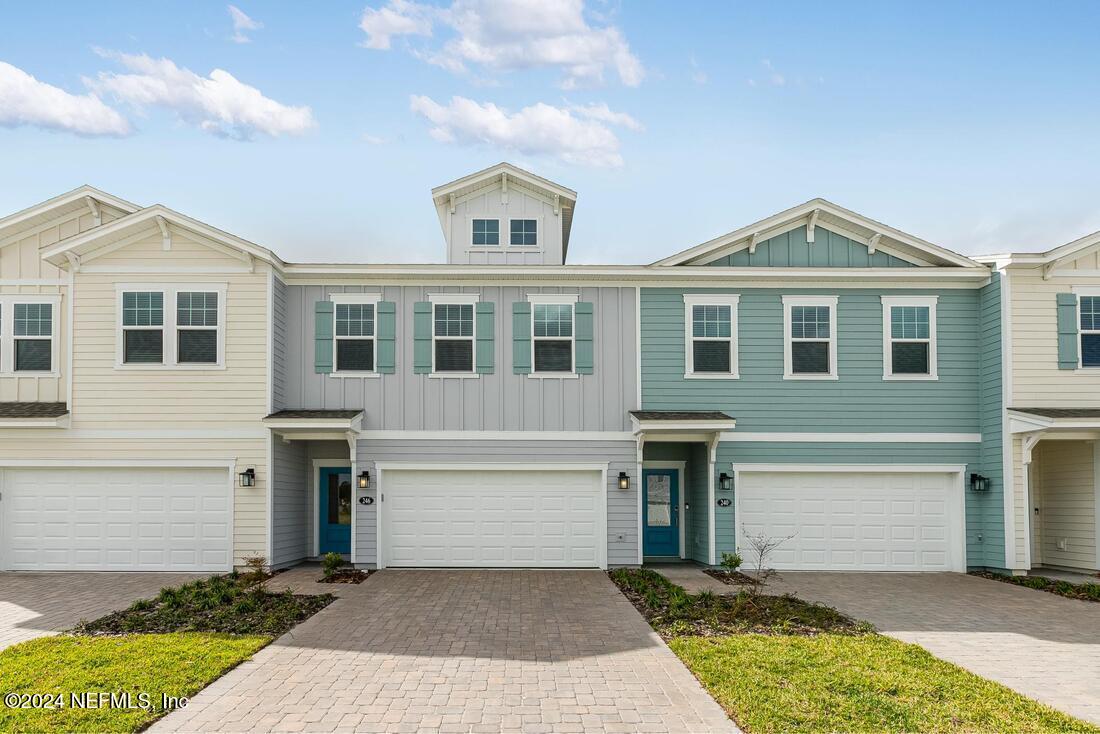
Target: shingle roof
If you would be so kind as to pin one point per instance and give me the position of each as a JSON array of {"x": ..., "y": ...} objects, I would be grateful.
[
  {"x": 314, "y": 414},
  {"x": 33, "y": 410},
  {"x": 680, "y": 415},
  {"x": 1061, "y": 412}
]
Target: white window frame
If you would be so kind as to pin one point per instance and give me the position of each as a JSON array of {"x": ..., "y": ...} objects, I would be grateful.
[
  {"x": 169, "y": 328},
  {"x": 889, "y": 302},
  {"x": 1080, "y": 292},
  {"x": 456, "y": 299},
  {"x": 538, "y": 232},
  {"x": 470, "y": 234},
  {"x": 710, "y": 299},
  {"x": 8, "y": 337},
  {"x": 559, "y": 299},
  {"x": 364, "y": 299},
  {"x": 788, "y": 303}
]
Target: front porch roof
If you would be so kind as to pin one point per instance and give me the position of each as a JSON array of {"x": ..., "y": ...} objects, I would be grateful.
[
  {"x": 34, "y": 415},
  {"x": 681, "y": 420},
  {"x": 1027, "y": 420},
  {"x": 316, "y": 425}
]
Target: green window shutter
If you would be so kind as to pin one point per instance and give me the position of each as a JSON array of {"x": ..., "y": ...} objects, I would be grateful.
[
  {"x": 483, "y": 357},
  {"x": 422, "y": 337},
  {"x": 1067, "y": 331},
  {"x": 386, "y": 330},
  {"x": 322, "y": 337},
  {"x": 521, "y": 338},
  {"x": 584, "y": 329}
]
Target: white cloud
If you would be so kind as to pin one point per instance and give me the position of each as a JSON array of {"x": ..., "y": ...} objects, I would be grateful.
[
  {"x": 219, "y": 103},
  {"x": 242, "y": 24},
  {"x": 373, "y": 139},
  {"x": 770, "y": 78},
  {"x": 398, "y": 18},
  {"x": 540, "y": 129},
  {"x": 508, "y": 35},
  {"x": 25, "y": 100},
  {"x": 603, "y": 113}
]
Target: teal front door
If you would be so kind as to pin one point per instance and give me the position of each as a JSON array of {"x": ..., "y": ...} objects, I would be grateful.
[
  {"x": 661, "y": 512},
  {"x": 334, "y": 513}
]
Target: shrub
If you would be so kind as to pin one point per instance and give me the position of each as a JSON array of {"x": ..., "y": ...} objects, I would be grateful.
[
  {"x": 331, "y": 563},
  {"x": 731, "y": 561}
]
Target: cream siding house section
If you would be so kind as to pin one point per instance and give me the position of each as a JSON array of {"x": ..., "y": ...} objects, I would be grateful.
[{"x": 1064, "y": 481}]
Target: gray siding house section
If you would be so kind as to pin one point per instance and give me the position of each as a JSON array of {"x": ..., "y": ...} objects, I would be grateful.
[
  {"x": 279, "y": 349},
  {"x": 290, "y": 493},
  {"x": 622, "y": 505},
  {"x": 501, "y": 401}
]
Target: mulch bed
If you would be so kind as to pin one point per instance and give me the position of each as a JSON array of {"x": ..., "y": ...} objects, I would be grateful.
[
  {"x": 733, "y": 578},
  {"x": 234, "y": 604},
  {"x": 345, "y": 576},
  {"x": 1084, "y": 592}
]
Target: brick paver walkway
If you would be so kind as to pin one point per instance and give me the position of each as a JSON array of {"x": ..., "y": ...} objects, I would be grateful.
[
  {"x": 37, "y": 604},
  {"x": 1044, "y": 646},
  {"x": 461, "y": 651}
]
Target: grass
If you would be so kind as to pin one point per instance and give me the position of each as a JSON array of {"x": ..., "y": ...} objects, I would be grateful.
[
  {"x": 778, "y": 664},
  {"x": 177, "y": 664},
  {"x": 866, "y": 683},
  {"x": 1088, "y": 591}
]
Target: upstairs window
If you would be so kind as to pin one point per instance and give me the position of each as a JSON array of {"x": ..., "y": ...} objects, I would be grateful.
[
  {"x": 524, "y": 232},
  {"x": 355, "y": 337},
  {"x": 552, "y": 337},
  {"x": 809, "y": 351},
  {"x": 143, "y": 327},
  {"x": 33, "y": 332},
  {"x": 453, "y": 337},
  {"x": 486, "y": 232},
  {"x": 1090, "y": 331},
  {"x": 197, "y": 327},
  {"x": 191, "y": 335},
  {"x": 909, "y": 337},
  {"x": 712, "y": 335}
]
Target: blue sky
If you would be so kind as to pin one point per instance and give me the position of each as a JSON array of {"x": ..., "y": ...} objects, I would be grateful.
[{"x": 972, "y": 126}]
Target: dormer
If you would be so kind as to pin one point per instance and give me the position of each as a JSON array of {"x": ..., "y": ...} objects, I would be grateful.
[{"x": 504, "y": 215}]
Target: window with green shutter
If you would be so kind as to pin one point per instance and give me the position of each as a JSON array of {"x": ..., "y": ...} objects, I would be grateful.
[{"x": 1090, "y": 331}]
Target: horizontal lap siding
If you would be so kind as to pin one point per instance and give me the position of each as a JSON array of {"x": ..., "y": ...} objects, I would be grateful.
[
  {"x": 791, "y": 250},
  {"x": 990, "y": 507},
  {"x": 1067, "y": 491},
  {"x": 279, "y": 348},
  {"x": 622, "y": 505}
]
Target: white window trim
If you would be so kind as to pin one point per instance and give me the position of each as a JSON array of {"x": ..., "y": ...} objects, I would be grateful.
[
  {"x": 169, "y": 327},
  {"x": 711, "y": 299},
  {"x": 831, "y": 303},
  {"x": 538, "y": 234},
  {"x": 8, "y": 337},
  {"x": 560, "y": 299},
  {"x": 1092, "y": 292},
  {"x": 888, "y": 302},
  {"x": 365, "y": 299},
  {"x": 470, "y": 235},
  {"x": 455, "y": 299}
]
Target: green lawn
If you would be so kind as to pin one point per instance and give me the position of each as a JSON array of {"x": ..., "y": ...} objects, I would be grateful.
[
  {"x": 176, "y": 664},
  {"x": 855, "y": 683}
]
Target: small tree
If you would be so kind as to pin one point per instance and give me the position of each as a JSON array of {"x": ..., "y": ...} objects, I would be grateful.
[{"x": 763, "y": 545}]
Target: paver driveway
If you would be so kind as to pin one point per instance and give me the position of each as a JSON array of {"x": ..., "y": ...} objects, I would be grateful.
[
  {"x": 1044, "y": 646},
  {"x": 37, "y": 604},
  {"x": 462, "y": 651}
]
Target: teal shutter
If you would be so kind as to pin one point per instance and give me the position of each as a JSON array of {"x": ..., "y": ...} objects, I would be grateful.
[
  {"x": 422, "y": 337},
  {"x": 386, "y": 336},
  {"x": 1067, "y": 331},
  {"x": 582, "y": 324},
  {"x": 483, "y": 358},
  {"x": 322, "y": 337},
  {"x": 521, "y": 338}
]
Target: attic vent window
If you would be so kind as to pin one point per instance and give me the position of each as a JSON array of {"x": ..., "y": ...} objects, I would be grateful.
[
  {"x": 485, "y": 232},
  {"x": 524, "y": 232}
]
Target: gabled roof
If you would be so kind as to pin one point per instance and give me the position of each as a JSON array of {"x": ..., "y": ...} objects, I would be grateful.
[
  {"x": 566, "y": 198},
  {"x": 856, "y": 227},
  {"x": 152, "y": 220},
  {"x": 85, "y": 197},
  {"x": 1049, "y": 259}
]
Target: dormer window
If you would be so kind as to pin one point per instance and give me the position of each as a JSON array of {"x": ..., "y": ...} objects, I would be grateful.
[
  {"x": 485, "y": 232},
  {"x": 524, "y": 232}
]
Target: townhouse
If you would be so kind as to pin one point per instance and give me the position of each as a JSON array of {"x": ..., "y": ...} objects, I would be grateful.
[{"x": 174, "y": 397}]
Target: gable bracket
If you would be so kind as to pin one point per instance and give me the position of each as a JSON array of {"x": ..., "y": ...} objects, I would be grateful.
[
  {"x": 452, "y": 203},
  {"x": 93, "y": 207},
  {"x": 74, "y": 261},
  {"x": 811, "y": 225},
  {"x": 756, "y": 239},
  {"x": 872, "y": 244},
  {"x": 1048, "y": 269},
  {"x": 504, "y": 188},
  {"x": 557, "y": 204},
  {"x": 165, "y": 234}
]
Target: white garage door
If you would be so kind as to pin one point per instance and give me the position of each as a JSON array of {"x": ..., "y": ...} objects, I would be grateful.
[
  {"x": 858, "y": 521},
  {"x": 115, "y": 519},
  {"x": 493, "y": 518}
]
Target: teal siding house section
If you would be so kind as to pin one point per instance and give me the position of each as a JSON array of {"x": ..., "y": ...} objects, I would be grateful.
[{"x": 792, "y": 250}]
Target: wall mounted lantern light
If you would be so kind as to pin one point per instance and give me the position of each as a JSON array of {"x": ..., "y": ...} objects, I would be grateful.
[
  {"x": 364, "y": 479},
  {"x": 247, "y": 478},
  {"x": 725, "y": 481},
  {"x": 624, "y": 480},
  {"x": 978, "y": 483}
]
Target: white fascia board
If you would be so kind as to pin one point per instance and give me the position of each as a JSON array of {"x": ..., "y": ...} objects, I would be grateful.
[
  {"x": 807, "y": 437},
  {"x": 853, "y": 468},
  {"x": 666, "y": 426},
  {"x": 68, "y": 198},
  {"x": 494, "y": 172},
  {"x": 483, "y": 466}
]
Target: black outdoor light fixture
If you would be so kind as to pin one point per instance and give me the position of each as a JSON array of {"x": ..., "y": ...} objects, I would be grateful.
[
  {"x": 624, "y": 480},
  {"x": 725, "y": 481},
  {"x": 247, "y": 477},
  {"x": 364, "y": 479},
  {"x": 978, "y": 483}
]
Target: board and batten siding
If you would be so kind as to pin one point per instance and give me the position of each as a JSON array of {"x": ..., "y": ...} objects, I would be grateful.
[
  {"x": 290, "y": 500},
  {"x": 280, "y": 349},
  {"x": 791, "y": 250},
  {"x": 501, "y": 401},
  {"x": 487, "y": 204},
  {"x": 622, "y": 505}
]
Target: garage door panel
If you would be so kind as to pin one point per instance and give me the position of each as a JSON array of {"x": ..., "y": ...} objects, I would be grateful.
[
  {"x": 505, "y": 517},
  {"x": 853, "y": 521},
  {"x": 90, "y": 519}
]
